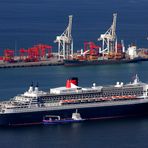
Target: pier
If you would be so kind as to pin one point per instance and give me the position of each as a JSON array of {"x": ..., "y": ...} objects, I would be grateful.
[{"x": 50, "y": 62}]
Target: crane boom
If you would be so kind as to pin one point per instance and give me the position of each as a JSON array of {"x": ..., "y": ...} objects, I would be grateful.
[
  {"x": 109, "y": 37},
  {"x": 65, "y": 41}
]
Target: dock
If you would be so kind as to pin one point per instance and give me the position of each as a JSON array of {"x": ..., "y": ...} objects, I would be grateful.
[{"x": 51, "y": 62}]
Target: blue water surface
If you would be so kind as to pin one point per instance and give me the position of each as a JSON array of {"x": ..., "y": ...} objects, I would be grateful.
[{"x": 31, "y": 22}]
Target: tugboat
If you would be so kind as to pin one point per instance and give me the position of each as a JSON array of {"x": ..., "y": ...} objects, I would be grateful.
[{"x": 50, "y": 119}]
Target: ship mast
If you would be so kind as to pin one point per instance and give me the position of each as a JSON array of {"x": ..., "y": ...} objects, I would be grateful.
[
  {"x": 65, "y": 42},
  {"x": 109, "y": 39}
]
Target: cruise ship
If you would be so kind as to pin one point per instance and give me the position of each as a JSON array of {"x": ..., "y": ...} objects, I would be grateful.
[{"x": 95, "y": 102}]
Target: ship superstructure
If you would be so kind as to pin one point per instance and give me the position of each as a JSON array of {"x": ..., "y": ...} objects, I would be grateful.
[{"x": 33, "y": 105}]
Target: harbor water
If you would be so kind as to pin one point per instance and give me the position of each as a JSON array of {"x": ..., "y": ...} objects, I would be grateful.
[
  {"x": 26, "y": 23},
  {"x": 115, "y": 133}
]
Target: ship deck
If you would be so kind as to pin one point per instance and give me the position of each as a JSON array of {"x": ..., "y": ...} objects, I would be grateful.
[{"x": 80, "y": 105}]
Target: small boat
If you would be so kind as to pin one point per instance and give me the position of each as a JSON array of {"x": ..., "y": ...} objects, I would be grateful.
[{"x": 52, "y": 119}]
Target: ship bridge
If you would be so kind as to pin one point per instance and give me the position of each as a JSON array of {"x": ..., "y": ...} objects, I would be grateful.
[{"x": 33, "y": 92}]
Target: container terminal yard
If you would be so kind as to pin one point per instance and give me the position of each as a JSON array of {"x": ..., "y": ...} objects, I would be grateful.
[{"x": 110, "y": 51}]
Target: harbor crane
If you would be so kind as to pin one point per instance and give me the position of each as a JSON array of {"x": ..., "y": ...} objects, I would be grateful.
[
  {"x": 109, "y": 39},
  {"x": 65, "y": 42}
]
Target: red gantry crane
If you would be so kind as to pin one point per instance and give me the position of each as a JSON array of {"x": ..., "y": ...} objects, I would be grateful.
[
  {"x": 8, "y": 55},
  {"x": 36, "y": 53},
  {"x": 91, "y": 48}
]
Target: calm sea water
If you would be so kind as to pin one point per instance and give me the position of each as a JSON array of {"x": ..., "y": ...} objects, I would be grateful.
[
  {"x": 117, "y": 133},
  {"x": 39, "y": 21},
  {"x": 29, "y": 22}
]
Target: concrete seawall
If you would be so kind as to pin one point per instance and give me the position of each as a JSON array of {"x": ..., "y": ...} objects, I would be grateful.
[{"x": 52, "y": 62}]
